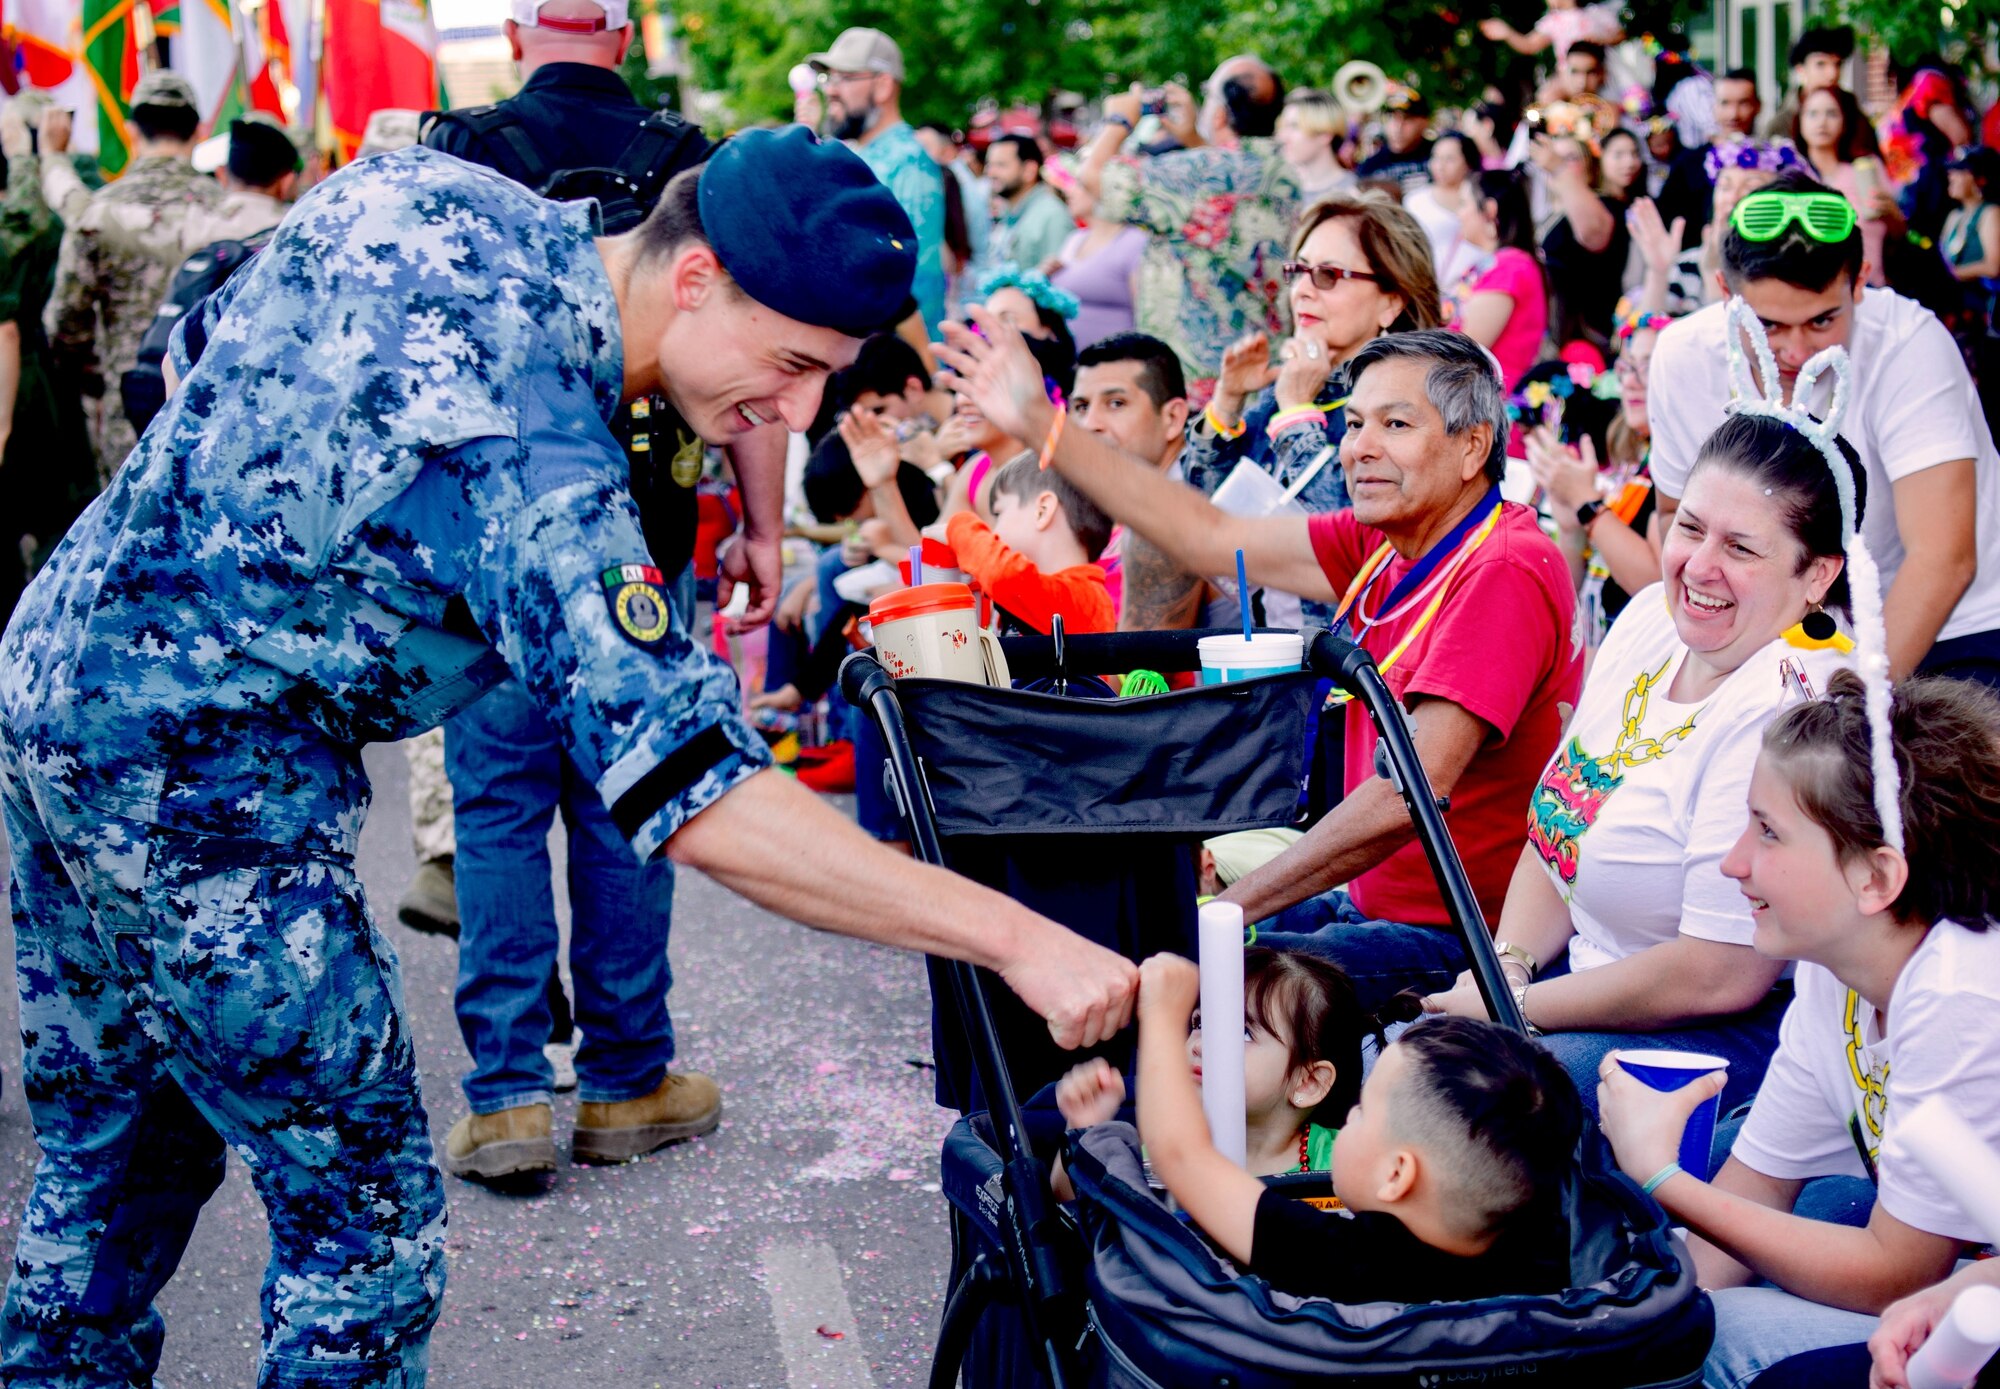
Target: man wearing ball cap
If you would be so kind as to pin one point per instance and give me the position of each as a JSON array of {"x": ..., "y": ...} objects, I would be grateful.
[{"x": 387, "y": 484}]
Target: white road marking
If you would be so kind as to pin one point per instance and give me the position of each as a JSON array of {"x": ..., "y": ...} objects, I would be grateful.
[{"x": 803, "y": 1281}]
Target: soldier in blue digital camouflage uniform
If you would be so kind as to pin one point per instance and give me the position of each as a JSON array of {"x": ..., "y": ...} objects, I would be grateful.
[{"x": 387, "y": 483}]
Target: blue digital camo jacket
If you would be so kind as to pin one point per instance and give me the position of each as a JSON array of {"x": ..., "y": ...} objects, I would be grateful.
[{"x": 387, "y": 483}]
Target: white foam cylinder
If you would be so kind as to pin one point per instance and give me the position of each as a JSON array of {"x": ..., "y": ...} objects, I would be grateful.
[
  {"x": 1934, "y": 1135},
  {"x": 1961, "y": 1344},
  {"x": 1220, "y": 928}
]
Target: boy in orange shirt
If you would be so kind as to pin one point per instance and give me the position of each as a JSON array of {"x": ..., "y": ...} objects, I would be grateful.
[{"x": 1038, "y": 558}]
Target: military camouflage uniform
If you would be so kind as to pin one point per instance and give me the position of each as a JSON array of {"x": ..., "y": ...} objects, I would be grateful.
[
  {"x": 387, "y": 484},
  {"x": 117, "y": 259}
]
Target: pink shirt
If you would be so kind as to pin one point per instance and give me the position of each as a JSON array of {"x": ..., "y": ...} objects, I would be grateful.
[{"x": 1519, "y": 275}]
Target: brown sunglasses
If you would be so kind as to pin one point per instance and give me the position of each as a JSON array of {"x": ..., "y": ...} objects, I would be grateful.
[{"x": 1324, "y": 277}]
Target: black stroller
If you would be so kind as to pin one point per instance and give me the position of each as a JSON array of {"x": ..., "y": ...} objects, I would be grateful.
[{"x": 1129, "y": 1297}]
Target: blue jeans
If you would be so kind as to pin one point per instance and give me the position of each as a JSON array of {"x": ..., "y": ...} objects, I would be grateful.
[
  {"x": 1383, "y": 958},
  {"x": 1745, "y": 1040},
  {"x": 509, "y": 776},
  {"x": 1755, "y": 1328}
]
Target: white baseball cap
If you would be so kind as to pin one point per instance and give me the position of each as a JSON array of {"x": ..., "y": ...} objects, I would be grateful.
[{"x": 528, "y": 14}]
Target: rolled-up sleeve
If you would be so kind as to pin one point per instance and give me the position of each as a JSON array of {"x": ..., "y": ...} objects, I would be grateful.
[{"x": 557, "y": 576}]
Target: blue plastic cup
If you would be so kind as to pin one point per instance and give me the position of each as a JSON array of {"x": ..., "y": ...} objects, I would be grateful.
[{"x": 1674, "y": 1070}]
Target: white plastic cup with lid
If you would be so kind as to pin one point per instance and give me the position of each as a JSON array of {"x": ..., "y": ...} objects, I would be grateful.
[
  {"x": 932, "y": 631},
  {"x": 1229, "y": 657}
]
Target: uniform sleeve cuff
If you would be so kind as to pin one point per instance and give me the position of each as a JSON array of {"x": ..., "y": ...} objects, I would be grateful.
[{"x": 683, "y": 784}]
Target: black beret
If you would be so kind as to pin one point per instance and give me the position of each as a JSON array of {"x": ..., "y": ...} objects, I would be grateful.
[
  {"x": 261, "y": 153},
  {"x": 805, "y": 227}
]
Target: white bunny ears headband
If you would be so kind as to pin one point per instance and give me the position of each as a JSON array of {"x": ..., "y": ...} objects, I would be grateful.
[{"x": 1863, "y": 578}]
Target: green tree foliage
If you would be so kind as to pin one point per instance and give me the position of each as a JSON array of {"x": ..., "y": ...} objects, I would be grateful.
[
  {"x": 1966, "y": 33},
  {"x": 960, "y": 51}
]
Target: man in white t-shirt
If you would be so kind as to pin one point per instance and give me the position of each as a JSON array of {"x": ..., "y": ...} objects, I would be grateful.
[{"x": 1933, "y": 504}]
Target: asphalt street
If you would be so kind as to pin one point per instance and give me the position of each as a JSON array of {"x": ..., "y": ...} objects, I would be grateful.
[{"x": 803, "y": 1244}]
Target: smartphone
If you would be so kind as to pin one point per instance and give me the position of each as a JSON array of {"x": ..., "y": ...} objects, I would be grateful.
[{"x": 1153, "y": 103}]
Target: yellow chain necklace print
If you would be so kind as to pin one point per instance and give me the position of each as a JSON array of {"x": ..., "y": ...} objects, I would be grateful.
[
  {"x": 1631, "y": 749},
  {"x": 1872, "y": 1083}
]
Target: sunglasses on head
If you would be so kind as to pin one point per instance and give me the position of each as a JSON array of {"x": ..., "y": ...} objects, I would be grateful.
[
  {"x": 1324, "y": 277},
  {"x": 1764, "y": 216}
]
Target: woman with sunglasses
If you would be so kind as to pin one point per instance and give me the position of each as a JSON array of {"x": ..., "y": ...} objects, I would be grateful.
[
  {"x": 1360, "y": 267},
  {"x": 1503, "y": 301}
]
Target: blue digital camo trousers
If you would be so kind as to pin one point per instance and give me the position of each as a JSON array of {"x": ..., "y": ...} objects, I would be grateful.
[{"x": 178, "y": 994}]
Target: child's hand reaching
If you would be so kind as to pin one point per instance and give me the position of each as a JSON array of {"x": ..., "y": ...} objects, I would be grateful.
[
  {"x": 872, "y": 445},
  {"x": 1169, "y": 989},
  {"x": 1090, "y": 1093}
]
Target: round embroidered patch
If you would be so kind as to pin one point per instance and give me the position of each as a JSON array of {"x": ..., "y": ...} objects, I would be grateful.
[{"x": 638, "y": 602}]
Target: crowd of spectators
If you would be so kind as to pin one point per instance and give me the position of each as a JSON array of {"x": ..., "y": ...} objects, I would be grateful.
[{"x": 1484, "y": 355}]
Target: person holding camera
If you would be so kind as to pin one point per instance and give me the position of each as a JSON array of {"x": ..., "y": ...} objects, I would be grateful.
[{"x": 1219, "y": 209}]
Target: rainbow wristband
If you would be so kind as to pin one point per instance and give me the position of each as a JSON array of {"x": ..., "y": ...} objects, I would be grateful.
[
  {"x": 1298, "y": 414},
  {"x": 1226, "y": 431},
  {"x": 1660, "y": 1178}
]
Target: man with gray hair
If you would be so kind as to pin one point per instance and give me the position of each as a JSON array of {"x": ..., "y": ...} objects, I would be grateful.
[{"x": 1462, "y": 601}]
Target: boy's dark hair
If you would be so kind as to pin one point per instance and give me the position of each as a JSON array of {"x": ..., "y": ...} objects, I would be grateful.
[
  {"x": 1496, "y": 1113},
  {"x": 1024, "y": 147},
  {"x": 1794, "y": 258},
  {"x": 834, "y": 491},
  {"x": 1837, "y": 41},
  {"x": 166, "y": 122},
  {"x": 1947, "y": 739},
  {"x": 1310, "y": 1001},
  {"x": 884, "y": 366},
  {"x": 1024, "y": 479},
  {"x": 1160, "y": 374},
  {"x": 1739, "y": 75},
  {"x": 1590, "y": 48}
]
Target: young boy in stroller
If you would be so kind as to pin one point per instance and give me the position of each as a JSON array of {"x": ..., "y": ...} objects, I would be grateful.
[{"x": 1451, "y": 1164}]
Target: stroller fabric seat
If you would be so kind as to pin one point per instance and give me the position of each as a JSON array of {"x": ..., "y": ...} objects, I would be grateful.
[
  {"x": 1167, "y": 1311},
  {"x": 1083, "y": 809}
]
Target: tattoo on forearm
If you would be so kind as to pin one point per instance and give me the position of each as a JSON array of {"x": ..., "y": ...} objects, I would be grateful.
[{"x": 1159, "y": 596}]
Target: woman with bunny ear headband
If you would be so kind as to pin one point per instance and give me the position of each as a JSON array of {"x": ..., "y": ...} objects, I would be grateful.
[
  {"x": 1619, "y": 929},
  {"x": 1864, "y": 579}
]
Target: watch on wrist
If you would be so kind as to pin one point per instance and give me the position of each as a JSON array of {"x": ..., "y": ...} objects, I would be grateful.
[
  {"x": 1520, "y": 992},
  {"x": 1507, "y": 950},
  {"x": 1590, "y": 511},
  {"x": 1113, "y": 118}
]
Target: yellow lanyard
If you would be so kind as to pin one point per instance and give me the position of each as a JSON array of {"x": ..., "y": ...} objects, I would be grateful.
[{"x": 1374, "y": 566}]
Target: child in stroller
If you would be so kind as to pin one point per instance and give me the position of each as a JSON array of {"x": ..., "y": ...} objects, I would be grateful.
[
  {"x": 1302, "y": 1034},
  {"x": 1451, "y": 1164}
]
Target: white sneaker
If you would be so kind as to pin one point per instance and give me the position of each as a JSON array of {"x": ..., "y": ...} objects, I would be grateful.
[{"x": 562, "y": 1056}]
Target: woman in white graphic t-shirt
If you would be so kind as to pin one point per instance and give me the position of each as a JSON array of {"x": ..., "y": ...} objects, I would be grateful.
[
  {"x": 1898, "y": 1000},
  {"x": 1619, "y": 928}
]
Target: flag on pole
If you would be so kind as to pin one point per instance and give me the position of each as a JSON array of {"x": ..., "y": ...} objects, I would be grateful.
[
  {"x": 118, "y": 48},
  {"x": 378, "y": 56},
  {"x": 47, "y": 37},
  {"x": 206, "y": 54}
]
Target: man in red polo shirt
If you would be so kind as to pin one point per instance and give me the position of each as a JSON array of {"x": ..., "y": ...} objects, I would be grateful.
[{"x": 1463, "y": 602}]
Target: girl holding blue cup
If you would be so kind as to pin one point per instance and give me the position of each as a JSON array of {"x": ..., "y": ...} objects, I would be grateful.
[{"x": 1868, "y": 858}]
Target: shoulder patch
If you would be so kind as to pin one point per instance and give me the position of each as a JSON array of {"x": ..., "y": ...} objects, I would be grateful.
[{"x": 638, "y": 599}]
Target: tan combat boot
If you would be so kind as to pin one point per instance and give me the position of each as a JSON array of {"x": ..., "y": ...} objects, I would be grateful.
[
  {"x": 500, "y": 1147},
  {"x": 685, "y": 1106}
]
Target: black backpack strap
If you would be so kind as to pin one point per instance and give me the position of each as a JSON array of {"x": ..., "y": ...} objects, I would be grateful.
[
  {"x": 492, "y": 126},
  {"x": 663, "y": 145}
]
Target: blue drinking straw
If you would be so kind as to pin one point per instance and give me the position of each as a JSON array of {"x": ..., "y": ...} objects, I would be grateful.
[
  {"x": 916, "y": 565},
  {"x": 1243, "y": 593}
]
